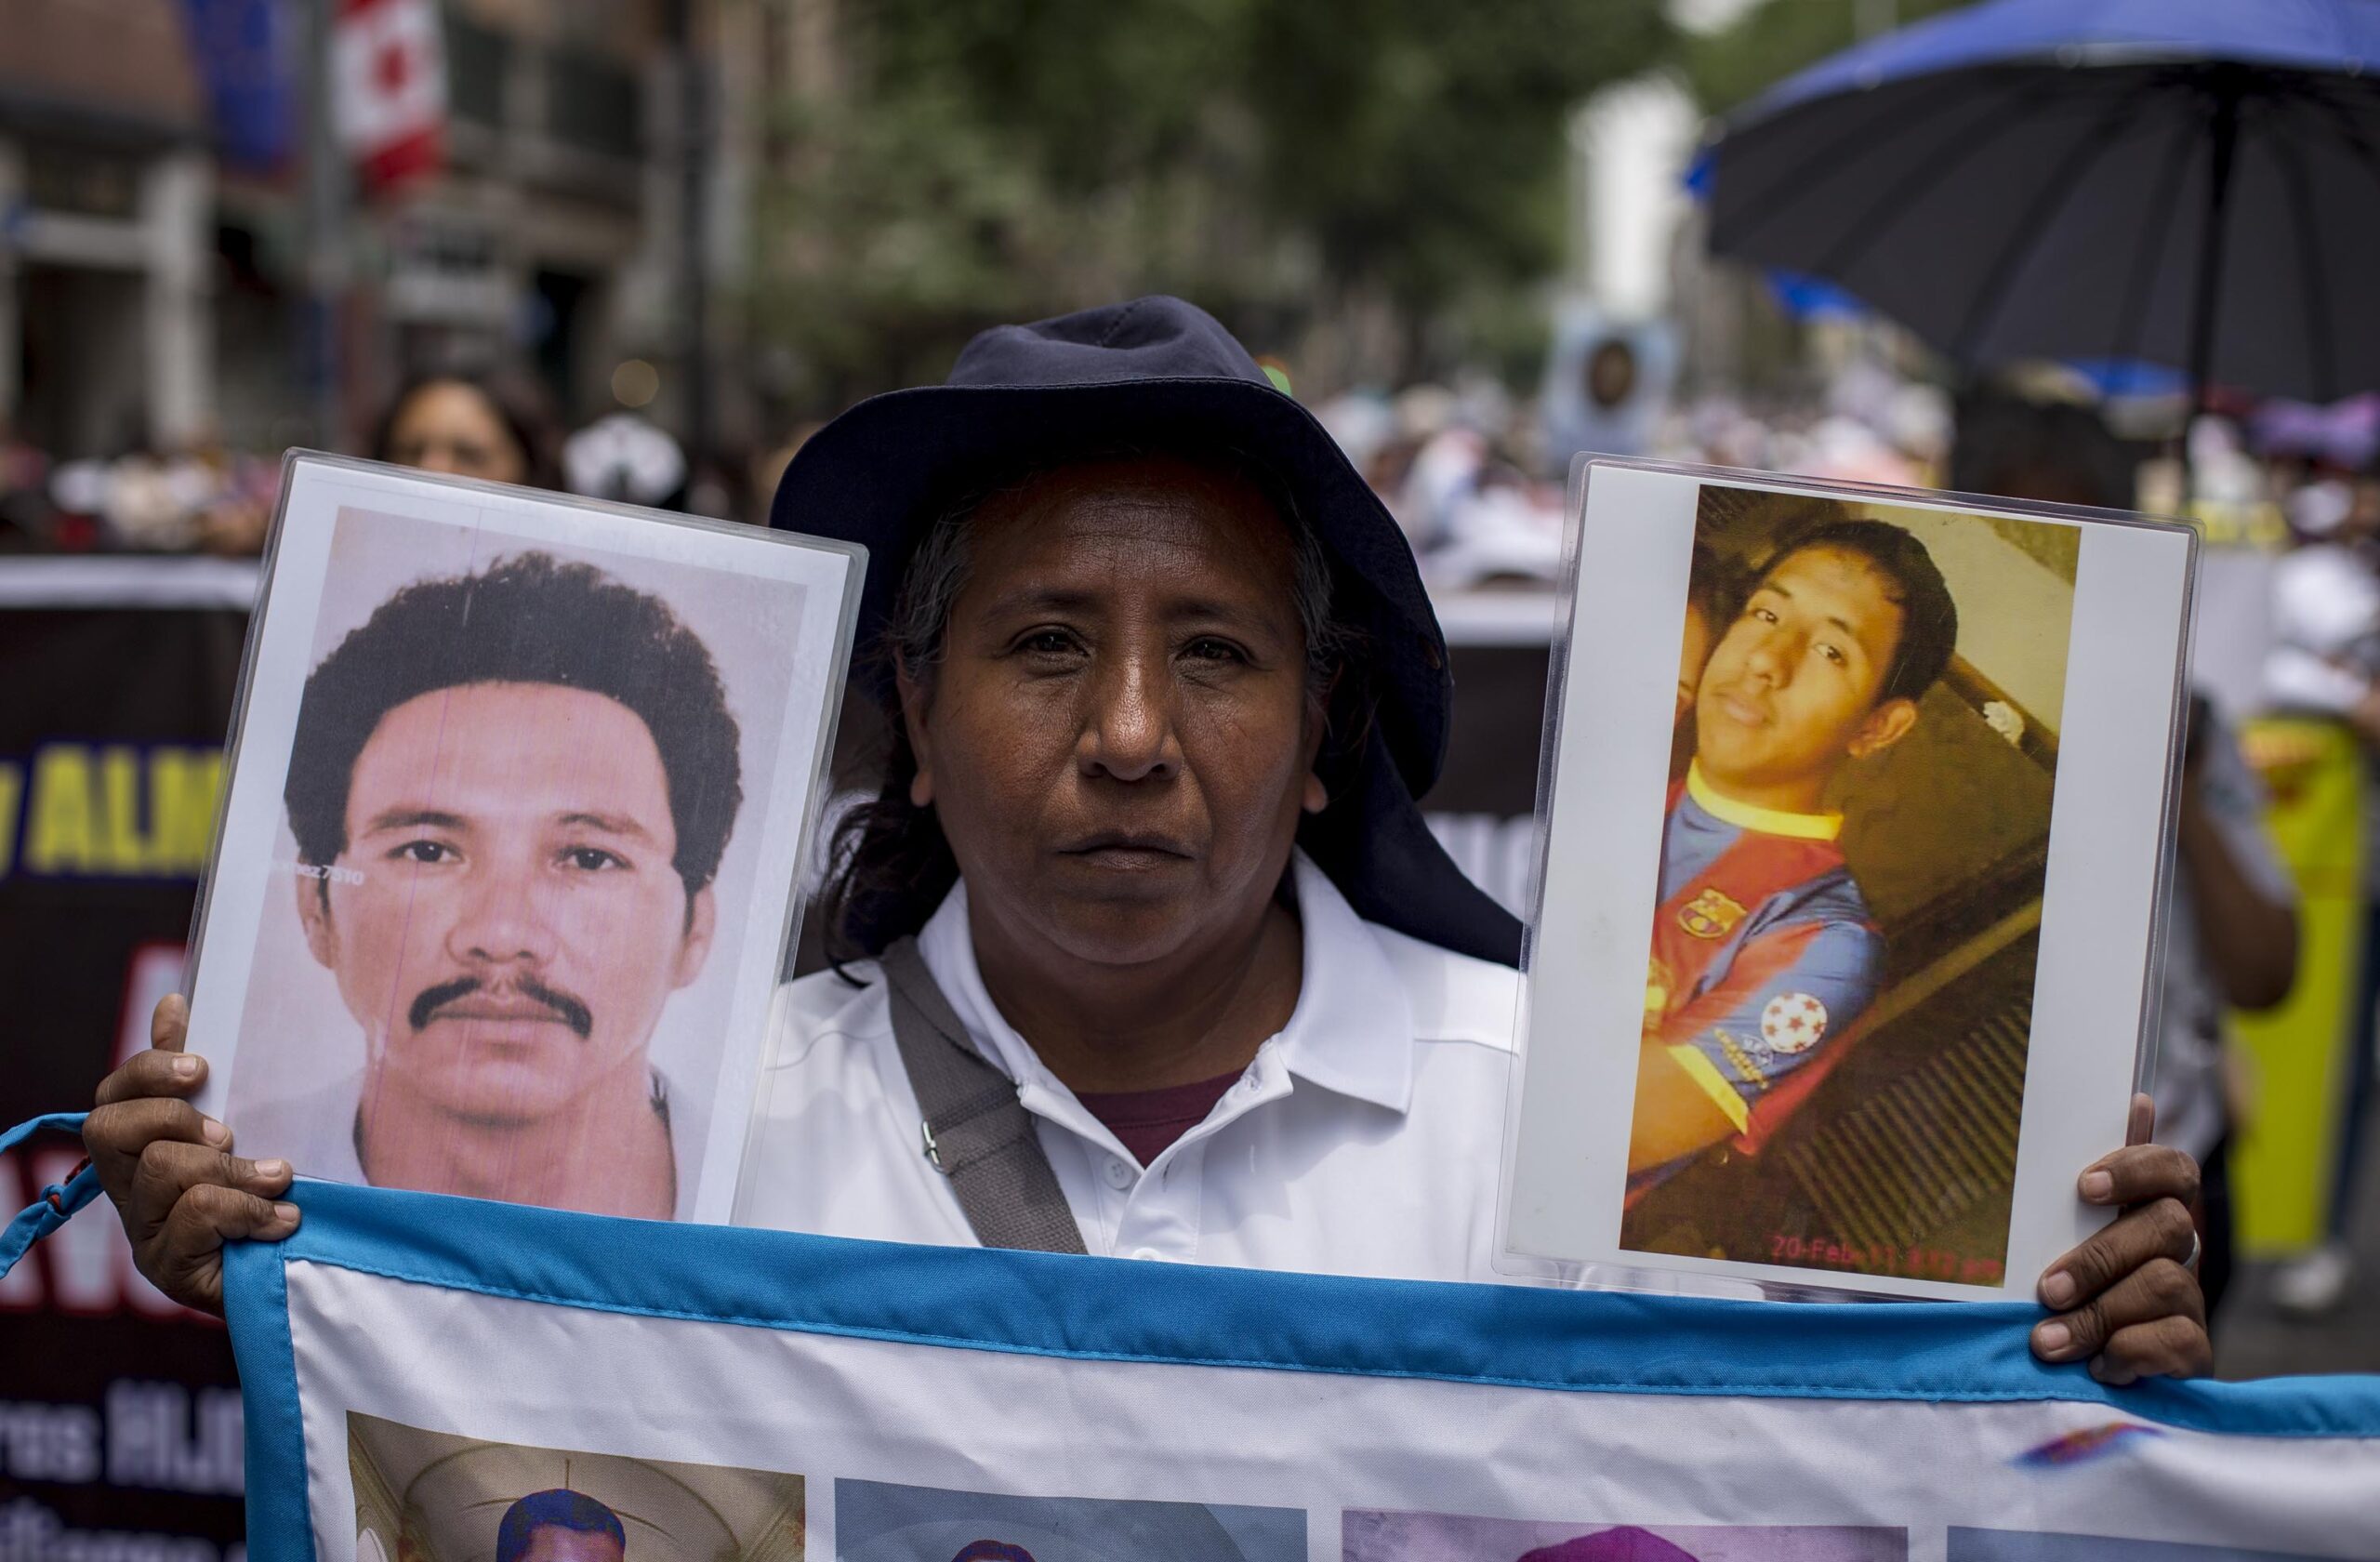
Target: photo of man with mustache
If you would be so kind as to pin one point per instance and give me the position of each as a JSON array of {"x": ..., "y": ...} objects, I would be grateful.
[
  {"x": 1763, "y": 949},
  {"x": 509, "y": 791}
]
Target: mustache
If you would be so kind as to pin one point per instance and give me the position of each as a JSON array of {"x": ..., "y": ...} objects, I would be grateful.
[{"x": 566, "y": 1009}]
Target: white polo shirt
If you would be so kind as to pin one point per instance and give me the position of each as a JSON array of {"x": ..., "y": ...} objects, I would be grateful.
[{"x": 1365, "y": 1138}]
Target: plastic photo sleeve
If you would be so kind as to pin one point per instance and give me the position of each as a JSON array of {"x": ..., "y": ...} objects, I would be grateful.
[
  {"x": 1853, "y": 809},
  {"x": 520, "y": 786}
]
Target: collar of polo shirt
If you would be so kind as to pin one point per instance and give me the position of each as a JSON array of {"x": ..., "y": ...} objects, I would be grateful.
[{"x": 1351, "y": 1031}]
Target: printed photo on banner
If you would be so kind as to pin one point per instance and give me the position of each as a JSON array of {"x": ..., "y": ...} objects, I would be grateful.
[
  {"x": 1841, "y": 825},
  {"x": 2018, "y": 1545},
  {"x": 876, "y": 1522},
  {"x": 509, "y": 854},
  {"x": 425, "y": 1496},
  {"x": 1431, "y": 1537}
]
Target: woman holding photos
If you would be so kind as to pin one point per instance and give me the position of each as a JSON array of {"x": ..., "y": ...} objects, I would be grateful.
[{"x": 1164, "y": 685}]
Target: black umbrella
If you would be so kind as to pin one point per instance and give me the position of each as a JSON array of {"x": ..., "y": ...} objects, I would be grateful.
[{"x": 2187, "y": 182}]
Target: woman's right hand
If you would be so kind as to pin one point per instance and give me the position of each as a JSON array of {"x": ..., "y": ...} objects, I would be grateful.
[{"x": 179, "y": 1191}]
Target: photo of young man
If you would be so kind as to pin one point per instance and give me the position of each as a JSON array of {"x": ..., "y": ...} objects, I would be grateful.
[
  {"x": 1763, "y": 949},
  {"x": 426, "y": 1496},
  {"x": 510, "y": 791}
]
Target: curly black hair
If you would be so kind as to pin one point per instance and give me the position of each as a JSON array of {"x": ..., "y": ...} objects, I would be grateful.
[
  {"x": 1714, "y": 587},
  {"x": 529, "y": 618}
]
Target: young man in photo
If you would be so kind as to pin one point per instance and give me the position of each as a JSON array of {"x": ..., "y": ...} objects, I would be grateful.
[
  {"x": 1764, "y": 950},
  {"x": 510, "y": 792}
]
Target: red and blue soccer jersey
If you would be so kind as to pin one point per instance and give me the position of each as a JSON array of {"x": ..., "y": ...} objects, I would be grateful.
[{"x": 1762, "y": 954}]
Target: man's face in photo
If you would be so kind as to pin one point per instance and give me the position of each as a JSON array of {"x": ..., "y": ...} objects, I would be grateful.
[
  {"x": 1790, "y": 690},
  {"x": 518, "y": 925}
]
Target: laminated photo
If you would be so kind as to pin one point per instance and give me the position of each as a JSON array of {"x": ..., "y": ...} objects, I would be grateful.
[
  {"x": 1863, "y": 794},
  {"x": 1432, "y": 1536},
  {"x": 509, "y": 857},
  {"x": 425, "y": 1496},
  {"x": 876, "y": 1521},
  {"x": 2016, "y": 1545}
]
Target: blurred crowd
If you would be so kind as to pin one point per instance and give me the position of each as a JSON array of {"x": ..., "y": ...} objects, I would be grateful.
[
  {"x": 201, "y": 499},
  {"x": 205, "y": 498},
  {"x": 1476, "y": 476}
]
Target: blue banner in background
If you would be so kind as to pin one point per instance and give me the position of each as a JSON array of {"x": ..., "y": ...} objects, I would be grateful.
[{"x": 245, "y": 53}]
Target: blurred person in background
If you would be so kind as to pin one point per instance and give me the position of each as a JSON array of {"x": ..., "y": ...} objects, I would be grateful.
[
  {"x": 1446, "y": 465},
  {"x": 2230, "y": 908},
  {"x": 1606, "y": 382},
  {"x": 28, "y": 520},
  {"x": 144, "y": 498},
  {"x": 2325, "y": 660},
  {"x": 487, "y": 426},
  {"x": 2232, "y": 942},
  {"x": 2055, "y": 453},
  {"x": 241, "y": 489},
  {"x": 627, "y": 459}
]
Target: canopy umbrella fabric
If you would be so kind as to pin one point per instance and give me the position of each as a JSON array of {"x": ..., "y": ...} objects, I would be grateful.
[{"x": 2194, "y": 183}]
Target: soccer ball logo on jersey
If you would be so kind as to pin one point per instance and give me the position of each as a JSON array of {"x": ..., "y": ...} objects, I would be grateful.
[{"x": 1792, "y": 1022}]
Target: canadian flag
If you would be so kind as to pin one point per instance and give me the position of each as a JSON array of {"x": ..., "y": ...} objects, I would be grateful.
[{"x": 388, "y": 88}]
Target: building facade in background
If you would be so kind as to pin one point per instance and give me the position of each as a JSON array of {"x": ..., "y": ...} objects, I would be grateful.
[
  {"x": 183, "y": 257},
  {"x": 106, "y": 206}
]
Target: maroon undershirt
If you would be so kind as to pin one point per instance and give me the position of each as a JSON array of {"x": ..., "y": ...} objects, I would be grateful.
[{"x": 1146, "y": 1122}]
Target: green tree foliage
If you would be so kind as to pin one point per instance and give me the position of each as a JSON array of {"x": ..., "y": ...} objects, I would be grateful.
[
  {"x": 1420, "y": 144},
  {"x": 1776, "y": 38},
  {"x": 1277, "y": 160}
]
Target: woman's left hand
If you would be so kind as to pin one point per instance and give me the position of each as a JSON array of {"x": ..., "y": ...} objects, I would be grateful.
[{"x": 2127, "y": 1298}]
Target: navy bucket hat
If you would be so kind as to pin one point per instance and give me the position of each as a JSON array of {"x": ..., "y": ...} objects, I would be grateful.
[{"x": 1161, "y": 374}]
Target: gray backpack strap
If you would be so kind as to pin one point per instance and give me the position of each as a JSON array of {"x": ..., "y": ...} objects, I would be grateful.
[{"x": 977, "y": 1133}]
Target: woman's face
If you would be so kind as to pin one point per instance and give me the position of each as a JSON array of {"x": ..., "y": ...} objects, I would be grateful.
[
  {"x": 447, "y": 426},
  {"x": 1119, "y": 736}
]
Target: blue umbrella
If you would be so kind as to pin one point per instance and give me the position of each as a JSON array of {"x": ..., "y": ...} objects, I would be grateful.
[
  {"x": 1809, "y": 298},
  {"x": 2187, "y": 182}
]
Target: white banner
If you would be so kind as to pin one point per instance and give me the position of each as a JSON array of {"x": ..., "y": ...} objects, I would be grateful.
[{"x": 439, "y": 1380}]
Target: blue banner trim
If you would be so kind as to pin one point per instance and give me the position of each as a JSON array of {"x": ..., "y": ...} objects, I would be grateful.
[
  {"x": 1110, "y": 1309},
  {"x": 57, "y": 1202},
  {"x": 256, "y": 1295}
]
